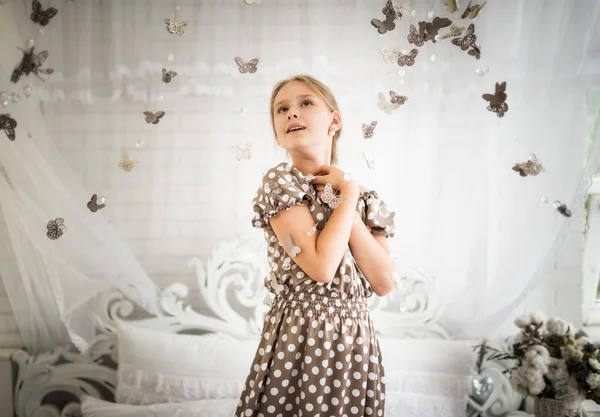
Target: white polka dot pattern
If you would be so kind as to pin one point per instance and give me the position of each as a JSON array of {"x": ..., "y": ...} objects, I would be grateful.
[{"x": 319, "y": 354}]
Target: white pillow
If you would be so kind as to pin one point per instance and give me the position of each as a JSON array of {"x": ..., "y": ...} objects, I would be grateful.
[
  {"x": 428, "y": 367},
  {"x": 158, "y": 367},
  {"x": 93, "y": 407}
]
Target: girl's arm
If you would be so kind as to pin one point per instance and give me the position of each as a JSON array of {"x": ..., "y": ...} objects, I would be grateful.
[
  {"x": 372, "y": 254},
  {"x": 321, "y": 252}
]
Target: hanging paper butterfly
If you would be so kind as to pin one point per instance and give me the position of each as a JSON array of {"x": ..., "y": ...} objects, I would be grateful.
[
  {"x": 453, "y": 32},
  {"x": 8, "y": 125},
  {"x": 243, "y": 152},
  {"x": 291, "y": 248},
  {"x": 391, "y": 11},
  {"x": 369, "y": 130},
  {"x": 451, "y": 5},
  {"x": 370, "y": 161},
  {"x": 414, "y": 37},
  {"x": 41, "y": 16},
  {"x": 246, "y": 67},
  {"x": 532, "y": 167},
  {"x": 153, "y": 118},
  {"x": 562, "y": 209},
  {"x": 328, "y": 197},
  {"x": 56, "y": 228},
  {"x": 399, "y": 12},
  {"x": 475, "y": 52},
  {"x": 388, "y": 108},
  {"x": 497, "y": 100},
  {"x": 30, "y": 64},
  {"x": 468, "y": 41},
  {"x": 167, "y": 76},
  {"x": 429, "y": 30},
  {"x": 176, "y": 28},
  {"x": 93, "y": 204},
  {"x": 390, "y": 56},
  {"x": 408, "y": 59},
  {"x": 396, "y": 98},
  {"x": 384, "y": 26},
  {"x": 127, "y": 164},
  {"x": 471, "y": 12}
]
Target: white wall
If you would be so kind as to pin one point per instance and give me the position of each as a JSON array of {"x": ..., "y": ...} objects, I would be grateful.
[{"x": 177, "y": 205}]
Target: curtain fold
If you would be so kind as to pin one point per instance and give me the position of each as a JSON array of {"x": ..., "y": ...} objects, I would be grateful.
[{"x": 443, "y": 161}]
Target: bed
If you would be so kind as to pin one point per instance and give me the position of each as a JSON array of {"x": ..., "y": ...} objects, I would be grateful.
[{"x": 184, "y": 362}]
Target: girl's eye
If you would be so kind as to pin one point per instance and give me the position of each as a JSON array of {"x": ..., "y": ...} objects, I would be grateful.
[
  {"x": 306, "y": 102},
  {"x": 281, "y": 109}
]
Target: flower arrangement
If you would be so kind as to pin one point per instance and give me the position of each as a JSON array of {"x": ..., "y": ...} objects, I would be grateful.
[{"x": 552, "y": 360}]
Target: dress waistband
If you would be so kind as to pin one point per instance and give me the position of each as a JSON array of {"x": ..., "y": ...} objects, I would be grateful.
[{"x": 322, "y": 305}]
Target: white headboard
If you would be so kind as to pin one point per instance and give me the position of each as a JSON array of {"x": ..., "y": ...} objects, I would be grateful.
[{"x": 231, "y": 285}]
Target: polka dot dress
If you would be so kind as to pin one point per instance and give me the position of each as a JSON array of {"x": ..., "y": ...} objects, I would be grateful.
[{"x": 318, "y": 354}]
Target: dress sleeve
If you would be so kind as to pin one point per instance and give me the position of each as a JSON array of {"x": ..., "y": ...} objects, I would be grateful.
[
  {"x": 279, "y": 190},
  {"x": 376, "y": 214}
]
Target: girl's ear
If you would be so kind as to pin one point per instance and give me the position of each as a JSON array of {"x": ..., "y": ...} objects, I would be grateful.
[{"x": 336, "y": 122}]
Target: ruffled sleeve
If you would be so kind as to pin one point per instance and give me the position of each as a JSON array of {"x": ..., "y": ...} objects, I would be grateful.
[
  {"x": 279, "y": 190},
  {"x": 376, "y": 214}
]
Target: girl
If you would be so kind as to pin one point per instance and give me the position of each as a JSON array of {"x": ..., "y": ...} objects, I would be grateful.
[{"x": 319, "y": 354}]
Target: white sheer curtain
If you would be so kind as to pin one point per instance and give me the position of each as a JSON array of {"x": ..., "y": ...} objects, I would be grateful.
[{"x": 443, "y": 160}]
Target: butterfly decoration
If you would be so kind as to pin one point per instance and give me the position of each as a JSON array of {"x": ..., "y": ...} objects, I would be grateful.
[
  {"x": 276, "y": 286},
  {"x": 242, "y": 152},
  {"x": 8, "y": 125},
  {"x": 391, "y": 11},
  {"x": 414, "y": 37},
  {"x": 176, "y": 28},
  {"x": 453, "y": 32},
  {"x": 475, "y": 52},
  {"x": 56, "y": 228},
  {"x": 126, "y": 164},
  {"x": 93, "y": 203},
  {"x": 328, "y": 197},
  {"x": 388, "y": 108},
  {"x": 468, "y": 42},
  {"x": 397, "y": 99},
  {"x": 370, "y": 161},
  {"x": 30, "y": 64},
  {"x": 168, "y": 75},
  {"x": 312, "y": 230},
  {"x": 246, "y": 67},
  {"x": 273, "y": 188},
  {"x": 384, "y": 26},
  {"x": 451, "y": 5},
  {"x": 408, "y": 59},
  {"x": 471, "y": 12},
  {"x": 562, "y": 209},
  {"x": 253, "y": 1},
  {"x": 390, "y": 56},
  {"x": 369, "y": 130},
  {"x": 399, "y": 12},
  {"x": 153, "y": 118},
  {"x": 532, "y": 167},
  {"x": 428, "y": 31},
  {"x": 497, "y": 100},
  {"x": 41, "y": 16},
  {"x": 290, "y": 247}
]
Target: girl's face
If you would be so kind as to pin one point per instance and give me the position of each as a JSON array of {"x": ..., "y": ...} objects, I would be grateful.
[{"x": 302, "y": 118}]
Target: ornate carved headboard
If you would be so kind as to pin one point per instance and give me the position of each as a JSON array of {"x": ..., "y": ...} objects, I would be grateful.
[{"x": 231, "y": 286}]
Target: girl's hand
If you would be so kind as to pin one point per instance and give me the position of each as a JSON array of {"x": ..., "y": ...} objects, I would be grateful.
[{"x": 328, "y": 174}]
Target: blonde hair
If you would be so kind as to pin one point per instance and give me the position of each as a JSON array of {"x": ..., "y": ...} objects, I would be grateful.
[{"x": 319, "y": 89}]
